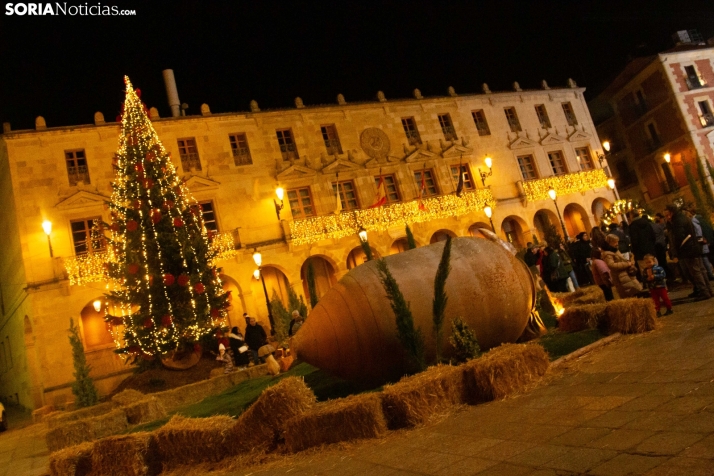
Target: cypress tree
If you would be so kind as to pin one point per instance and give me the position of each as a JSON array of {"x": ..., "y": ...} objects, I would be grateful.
[
  {"x": 702, "y": 205},
  {"x": 409, "y": 337},
  {"x": 440, "y": 298},
  {"x": 411, "y": 244},
  {"x": 311, "y": 288},
  {"x": 83, "y": 387}
]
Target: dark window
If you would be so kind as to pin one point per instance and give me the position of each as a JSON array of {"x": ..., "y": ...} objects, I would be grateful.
[
  {"x": 430, "y": 187},
  {"x": 209, "y": 216},
  {"x": 481, "y": 123},
  {"x": 348, "y": 194},
  {"x": 706, "y": 118},
  {"x": 464, "y": 169},
  {"x": 84, "y": 239},
  {"x": 672, "y": 185},
  {"x": 390, "y": 188},
  {"x": 76, "y": 166},
  {"x": 287, "y": 145},
  {"x": 189, "y": 154},
  {"x": 447, "y": 127},
  {"x": 557, "y": 163},
  {"x": 542, "y": 116},
  {"x": 527, "y": 166},
  {"x": 301, "y": 202},
  {"x": 512, "y": 119},
  {"x": 569, "y": 114},
  {"x": 584, "y": 158},
  {"x": 653, "y": 141},
  {"x": 693, "y": 80},
  {"x": 332, "y": 141},
  {"x": 410, "y": 129},
  {"x": 240, "y": 149}
]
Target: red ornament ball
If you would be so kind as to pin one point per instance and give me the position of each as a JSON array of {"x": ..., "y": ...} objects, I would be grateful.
[
  {"x": 131, "y": 225},
  {"x": 114, "y": 227},
  {"x": 148, "y": 323},
  {"x": 178, "y": 223},
  {"x": 148, "y": 183},
  {"x": 139, "y": 168},
  {"x": 166, "y": 321},
  {"x": 215, "y": 313},
  {"x": 138, "y": 92},
  {"x": 155, "y": 216},
  {"x": 183, "y": 279},
  {"x": 169, "y": 279},
  {"x": 133, "y": 268},
  {"x": 137, "y": 204},
  {"x": 200, "y": 288},
  {"x": 150, "y": 156},
  {"x": 168, "y": 204}
]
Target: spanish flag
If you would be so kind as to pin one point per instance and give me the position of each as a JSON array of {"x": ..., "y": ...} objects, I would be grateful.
[{"x": 381, "y": 198}]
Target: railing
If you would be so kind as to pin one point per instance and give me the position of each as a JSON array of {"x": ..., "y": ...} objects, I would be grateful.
[
  {"x": 564, "y": 184},
  {"x": 314, "y": 229},
  {"x": 695, "y": 83},
  {"x": 333, "y": 146},
  {"x": 190, "y": 161},
  {"x": 289, "y": 152},
  {"x": 572, "y": 120},
  {"x": 707, "y": 120},
  {"x": 78, "y": 174},
  {"x": 449, "y": 133},
  {"x": 413, "y": 137},
  {"x": 241, "y": 156},
  {"x": 514, "y": 125}
]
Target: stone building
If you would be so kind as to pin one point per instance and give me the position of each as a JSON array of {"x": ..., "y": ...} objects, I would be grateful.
[
  {"x": 326, "y": 158},
  {"x": 657, "y": 116}
]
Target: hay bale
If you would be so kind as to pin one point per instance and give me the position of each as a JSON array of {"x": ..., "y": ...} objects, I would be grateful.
[
  {"x": 237, "y": 377},
  {"x": 503, "y": 371},
  {"x": 344, "y": 419},
  {"x": 143, "y": 411},
  {"x": 262, "y": 424},
  {"x": 126, "y": 455},
  {"x": 413, "y": 400},
  {"x": 190, "y": 441},
  {"x": 128, "y": 396},
  {"x": 188, "y": 394},
  {"x": 41, "y": 413},
  {"x": 581, "y": 296},
  {"x": 257, "y": 371},
  {"x": 88, "y": 429},
  {"x": 63, "y": 418},
  {"x": 578, "y": 318},
  {"x": 72, "y": 461},
  {"x": 631, "y": 316}
]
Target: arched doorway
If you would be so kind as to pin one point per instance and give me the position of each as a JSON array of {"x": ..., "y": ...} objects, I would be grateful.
[
  {"x": 96, "y": 332},
  {"x": 236, "y": 303},
  {"x": 357, "y": 257},
  {"x": 276, "y": 283},
  {"x": 323, "y": 272},
  {"x": 598, "y": 208},
  {"x": 542, "y": 220},
  {"x": 398, "y": 246},
  {"x": 576, "y": 219},
  {"x": 473, "y": 229},
  {"x": 513, "y": 228},
  {"x": 441, "y": 235}
]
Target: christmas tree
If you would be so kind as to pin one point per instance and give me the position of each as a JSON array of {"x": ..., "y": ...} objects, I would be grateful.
[{"x": 160, "y": 260}]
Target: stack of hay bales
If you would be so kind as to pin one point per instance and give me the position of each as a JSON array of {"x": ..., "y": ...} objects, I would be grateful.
[
  {"x": 503, "y": 371},
  {"x": 586, "y": 295},
  {"x": 190, "y": 441},
  {"x": 64, "y": 433},
  {"x": 413, "y": 400},
  {"x": 129, "y": 455},
  {"x": 261, "y": 426},
  {"x": 631, "y": 316},
  {"x": 73, "y": 461},
  {"x": 578, "y": 318},
  {"x": 344, "y": 419},
  {"x": 139, "y": 408}
]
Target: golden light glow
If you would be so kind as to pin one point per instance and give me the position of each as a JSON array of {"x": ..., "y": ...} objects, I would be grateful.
[
  {"x": 489, "y": 162},
  {"x": 564, "y": 184},
  {"x": 314, "y": 229},
  {"x": 256, "y": 274},
  {"x": 611, "y": 183},
  {"x": 47, "y": 227},
  {"x": 97, "y": 305},
  {"x": 667, "y": 157},
  {"x": 280, "y": 192},
  {"x": 362, "y": 235},
  {"x": 620, "y": 207},
  {"x": 488, "y": 211},
  {"x": 552, "y": 193},
  {"x": 258, "y": 258},
  {"x": 606, "y": 146}
]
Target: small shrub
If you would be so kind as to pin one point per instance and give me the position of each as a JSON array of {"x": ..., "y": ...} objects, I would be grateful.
[
  {"x": 464, "y": 341},
  {"x": 83, "y": 387}
]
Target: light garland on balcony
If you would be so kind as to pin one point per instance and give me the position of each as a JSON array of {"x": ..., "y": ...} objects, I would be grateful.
[
  {"x": 311, "y": 230},
  {"x": 620, "y": 207},
  {"x": 564, "y": 184}
]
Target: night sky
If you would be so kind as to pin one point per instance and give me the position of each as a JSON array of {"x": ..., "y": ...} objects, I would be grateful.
[{"x": 226, "y": 53}]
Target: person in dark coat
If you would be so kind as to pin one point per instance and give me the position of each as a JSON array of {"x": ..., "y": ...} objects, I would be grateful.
[
  {"x": 642, "y": 237},
  {"x": 580, "y": 251},
  {"x": 659, "y": 228},
  {"x": 237, "y": 342},
  {"x": 255, "y": 338},
  {"x": 555, "y": 271},
  {"x": 686, "y": 249}
]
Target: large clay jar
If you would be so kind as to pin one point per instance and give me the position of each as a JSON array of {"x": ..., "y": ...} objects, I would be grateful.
[{"x": 352, "y": 332}]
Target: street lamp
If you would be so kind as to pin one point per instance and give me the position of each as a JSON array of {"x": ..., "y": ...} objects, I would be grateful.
[
  {"x": 280, "y": 192},
  {"x": 667, "y": 157},
  {"x": 258, "y": 259},
  {"x": 553, "y": 195},
  {"x": 97, "y": 304},
  {"x": 47, "y": 226},
  {"x": 602, "y": 157},
  {"x": 489, "y": 213},
  {"x": 489, "y": 164},
  {"x": 362, "y": 233}
]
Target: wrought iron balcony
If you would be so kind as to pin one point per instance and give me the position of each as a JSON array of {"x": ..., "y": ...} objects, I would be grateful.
[
  {"x": 695, "y": 83},
  {"x": 707, "y": 120}
]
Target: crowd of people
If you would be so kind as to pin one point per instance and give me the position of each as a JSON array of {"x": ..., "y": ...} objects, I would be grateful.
[{"x": 634, "y": 258}]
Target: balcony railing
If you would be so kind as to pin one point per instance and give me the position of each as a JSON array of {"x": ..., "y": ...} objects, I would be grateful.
[
  {"x": 241, "y": 156},
  {"x": 190, "y": 161},
  {"x": 333, "y": 146},
  {"x": 314, "y": 229},
  {"x": 449, "y": 133},
  {"x": 413, "y": 137},
  {"x": 564, "y": 184},
  {"x": 91, "y": 268},
  {"x": 695, "y": 83},
  {"x": 289, "y": 152},
  {"x": 707, "y": 120},
  {"x": 78, "y": 174}
]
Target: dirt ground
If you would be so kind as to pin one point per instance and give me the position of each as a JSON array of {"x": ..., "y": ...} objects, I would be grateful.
[{"x": 160, "y": 378}]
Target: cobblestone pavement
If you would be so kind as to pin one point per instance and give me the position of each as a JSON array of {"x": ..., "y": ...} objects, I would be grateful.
[
  {"x": 642, "y": 404},
  {"x": 23, "y": 451}
]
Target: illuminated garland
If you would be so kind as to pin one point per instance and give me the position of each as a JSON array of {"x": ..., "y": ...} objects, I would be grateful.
[
  {"x": 311, "y": 230},
  {"x": 620, "y": 207},
  {"x": 564, "y": 184}
]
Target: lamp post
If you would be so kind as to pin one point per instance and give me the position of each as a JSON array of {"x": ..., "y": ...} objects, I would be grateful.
[
  {"x": 489, "y": 164},
  {"x": 280, "y": 192},
  {"x": 489, "y": 213},
  {"x": 602, "y": 157},
  {"x": 364, "y": 243},
  {"x": 47, "y": 226},
  {"x": 553, "y": 195},
  {"x": 257, "y": 274}
]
